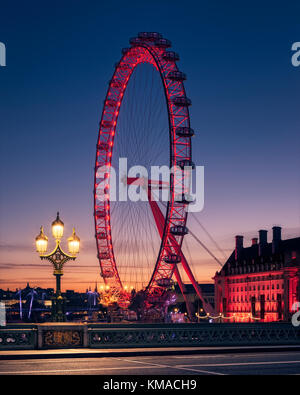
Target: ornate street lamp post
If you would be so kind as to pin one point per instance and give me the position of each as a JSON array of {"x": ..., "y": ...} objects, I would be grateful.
[{"x": 58, "y": 258}]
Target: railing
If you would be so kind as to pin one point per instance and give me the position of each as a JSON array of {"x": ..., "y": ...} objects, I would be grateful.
[
  {"x": 192, "y": 335},
  {"x": 68, "y": 335},
  {"x": 22, "y": 337}
]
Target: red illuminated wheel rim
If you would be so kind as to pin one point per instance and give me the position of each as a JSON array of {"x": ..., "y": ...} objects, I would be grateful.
[{"x": 148, "y": 48}]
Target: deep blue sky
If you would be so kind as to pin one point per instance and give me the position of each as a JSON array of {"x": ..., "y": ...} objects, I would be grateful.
[{"x": 245, "y": 94}]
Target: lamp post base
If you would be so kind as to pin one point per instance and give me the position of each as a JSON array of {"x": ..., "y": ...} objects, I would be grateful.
[{"x": 58, "y": 309}]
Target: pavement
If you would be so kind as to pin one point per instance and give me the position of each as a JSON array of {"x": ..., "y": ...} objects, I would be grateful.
[
  {"x": 277, "y": 362},
  {"x": 132, "y": 352}
]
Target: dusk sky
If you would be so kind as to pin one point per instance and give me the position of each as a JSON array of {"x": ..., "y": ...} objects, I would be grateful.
[{"x": 245, "y": 94}]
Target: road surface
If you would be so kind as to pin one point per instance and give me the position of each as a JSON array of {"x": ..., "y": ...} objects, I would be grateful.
[{"x": 284, "y": 362}]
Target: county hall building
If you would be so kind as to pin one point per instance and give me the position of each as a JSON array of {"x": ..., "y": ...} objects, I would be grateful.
[{"x": 260, "y": 282}]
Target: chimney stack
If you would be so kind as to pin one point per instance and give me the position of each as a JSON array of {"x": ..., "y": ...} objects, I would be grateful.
[
  {"x": 238, "y": 247},
  {"x": 254, "y": 246},
  {"x": 263, "y": 241},
  {"x": 276, "y": 239}
]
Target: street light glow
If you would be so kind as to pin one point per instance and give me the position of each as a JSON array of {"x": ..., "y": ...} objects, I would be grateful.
[
  {"x": 73, "y": 243},
  {"x": 41, "y": 242},
  {"x": 57, "y": 228}
]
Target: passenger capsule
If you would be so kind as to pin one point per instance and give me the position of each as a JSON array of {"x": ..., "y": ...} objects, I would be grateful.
[
  {"x": 185, "y": 163},
  {"x": 107, "y": 124},
  {"x": 172, "y": 259},
  {"x": 164, "y": 282},
  {"x": 176, "y": 76},
  {"x": 107, "y": 274},
  {"x": 184, "y": 132},
  {"x": 101, "y": 235},
  {"x": 179, "y": 230},
  {"x": 135, "y": 41},
  {"x": 184, "y": 199},
  {"x": 163, "y": 43},
  {"x": 104, "y": 255},
  {"x": 170, "y": 56},
  {"x": 149, "y": 36},
  {"x": 182, "y": 101}
]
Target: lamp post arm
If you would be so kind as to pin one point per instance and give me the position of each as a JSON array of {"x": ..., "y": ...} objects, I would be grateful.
[
  {"x": 58, "y": 258},
  {"x": 58, "y": 248}
]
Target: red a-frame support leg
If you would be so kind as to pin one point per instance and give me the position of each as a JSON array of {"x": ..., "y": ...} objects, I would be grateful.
[{"x": 159, "y": 220}]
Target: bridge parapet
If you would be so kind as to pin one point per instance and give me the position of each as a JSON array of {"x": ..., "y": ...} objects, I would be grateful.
[
  {"x": 18, "y": 337},
  {"x": 68, "y": 335}
]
